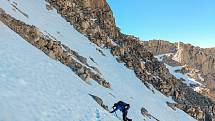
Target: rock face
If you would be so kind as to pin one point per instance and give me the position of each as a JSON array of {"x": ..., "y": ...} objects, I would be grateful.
[
  {"x": 93, "y": 18},
  {"x": 193, "y": 111},
  {"x": 202, "y": 59},
  {"x": 199, "y": 58},
  {"x": 94, "y": 3},
  {"x": 158, "y": 47}
]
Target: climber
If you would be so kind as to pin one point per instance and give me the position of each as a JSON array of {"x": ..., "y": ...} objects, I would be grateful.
[{"x": 123, "y": 107}]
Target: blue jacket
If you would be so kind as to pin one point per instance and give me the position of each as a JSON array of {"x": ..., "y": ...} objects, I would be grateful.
[{"x": 120, "y": 106}]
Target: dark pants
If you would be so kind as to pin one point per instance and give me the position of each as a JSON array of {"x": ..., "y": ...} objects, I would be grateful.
[{"x": 124, "y": 115}]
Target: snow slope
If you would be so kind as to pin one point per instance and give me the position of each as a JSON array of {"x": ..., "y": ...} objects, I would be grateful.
[
  {"x": 34, "y": 87},
  {"x": 187, "y": 79}
]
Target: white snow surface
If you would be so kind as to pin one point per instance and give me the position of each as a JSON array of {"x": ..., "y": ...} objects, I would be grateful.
[
  {"x": 161, "y": 56},
  {"x": 188, "y": 80},
  {"x": 201, "y": 78},
  {"x": 34, "y": 87}
]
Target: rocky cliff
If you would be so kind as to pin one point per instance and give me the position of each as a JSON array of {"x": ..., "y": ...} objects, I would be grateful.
[
  {"x": 202, "y": 59},
  {"x": 158, "y": 47}
]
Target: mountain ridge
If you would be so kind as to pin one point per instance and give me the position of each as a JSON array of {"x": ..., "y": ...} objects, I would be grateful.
[{"x": 198, "y": 58}]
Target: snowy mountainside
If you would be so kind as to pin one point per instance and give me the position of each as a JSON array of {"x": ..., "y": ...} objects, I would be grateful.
[{"x": 36, "y": 87}]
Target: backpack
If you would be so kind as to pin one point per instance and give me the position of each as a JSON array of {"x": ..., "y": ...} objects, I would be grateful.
[{"x": 123, "y": 104}]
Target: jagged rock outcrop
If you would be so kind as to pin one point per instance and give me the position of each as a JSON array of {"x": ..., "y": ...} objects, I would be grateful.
[
  {"x": 100, "y": 102},
  {"x": 91, "y": 17},
  {"x": 158, "y": 47},
  {"x": 145, "y": 113},
  {"x": 193, "y": 111},
  {"x": 196, "y": 57},
  {"x": 97, "y": 23},
  {"x": 202, "y": 59}
]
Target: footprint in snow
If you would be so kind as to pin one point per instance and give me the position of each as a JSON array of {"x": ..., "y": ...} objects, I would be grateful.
[{"x": 98, "y": 115}]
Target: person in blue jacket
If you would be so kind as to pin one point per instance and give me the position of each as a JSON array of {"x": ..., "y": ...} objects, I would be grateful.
[{"x": 123, "y": 107}]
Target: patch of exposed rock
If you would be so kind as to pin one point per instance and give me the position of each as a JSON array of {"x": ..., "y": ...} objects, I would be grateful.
[
  {"x": 193, "y": 111},
  {"x": 145, "y": 113},
  {"x": 100, "y": 102},
  {"x": 158, "y": 47}
]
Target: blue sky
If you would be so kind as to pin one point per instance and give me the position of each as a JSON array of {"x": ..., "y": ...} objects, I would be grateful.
[{"x": 189, "y": 21}]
